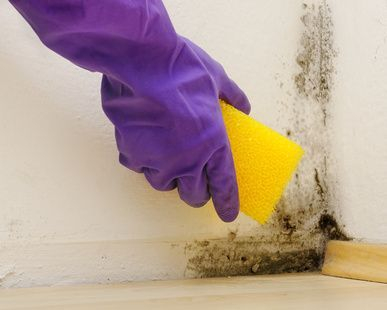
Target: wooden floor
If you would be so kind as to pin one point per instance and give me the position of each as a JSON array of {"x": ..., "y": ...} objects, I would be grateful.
[{"x": 300, "y": 291}]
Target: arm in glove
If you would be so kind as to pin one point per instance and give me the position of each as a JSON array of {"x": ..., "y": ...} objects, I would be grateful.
[{"x": 159, "y": 89}]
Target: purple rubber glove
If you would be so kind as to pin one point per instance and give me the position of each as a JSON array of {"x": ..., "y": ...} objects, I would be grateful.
[{"x": 159, "y": 89}]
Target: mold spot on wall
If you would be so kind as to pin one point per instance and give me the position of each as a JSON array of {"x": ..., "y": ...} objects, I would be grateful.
[
  {"x": 294, "y": 238},
  {"x": 320, "y": 189},
  {"x": 315, "y": 59},
  {"x": 331, "y": 229}
]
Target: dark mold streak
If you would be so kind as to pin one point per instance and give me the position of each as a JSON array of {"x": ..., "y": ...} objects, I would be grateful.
[
  {"x": 316, "y": 56},
  {"x": 320, "y": 189},
  {"x": 294, "y": 239},
  {"x": 331, "y": 229}
]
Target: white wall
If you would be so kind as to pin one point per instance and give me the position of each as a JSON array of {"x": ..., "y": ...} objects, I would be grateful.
[
  {"x": 360, "y": 116},
  {"x": 71, "y": 214}
]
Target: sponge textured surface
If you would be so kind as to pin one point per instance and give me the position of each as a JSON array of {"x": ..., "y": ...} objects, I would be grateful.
[{"x": 264, "y": 162}]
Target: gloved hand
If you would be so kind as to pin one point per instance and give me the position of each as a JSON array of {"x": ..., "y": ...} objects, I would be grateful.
[{"x": 159, "y": 89}]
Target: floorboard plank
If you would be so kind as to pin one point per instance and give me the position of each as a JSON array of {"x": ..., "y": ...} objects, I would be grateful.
[{"x": 291, "y": 291}]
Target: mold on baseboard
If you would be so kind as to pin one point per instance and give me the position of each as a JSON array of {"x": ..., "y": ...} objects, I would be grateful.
[{"x": 294, "y": 239}]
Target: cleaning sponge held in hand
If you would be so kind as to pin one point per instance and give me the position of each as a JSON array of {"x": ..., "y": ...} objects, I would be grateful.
[{"x": 264, "y": 162}]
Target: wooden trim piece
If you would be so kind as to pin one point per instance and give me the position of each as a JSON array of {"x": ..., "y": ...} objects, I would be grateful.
[{"x": 355, "y": 260}]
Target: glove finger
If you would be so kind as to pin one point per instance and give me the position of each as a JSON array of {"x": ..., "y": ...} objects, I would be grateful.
[
  {"x": 158, "y": 181},
  {"x": 232, "y": 94},
  {"x": 223, "y": 185},
  {"x": 194, "y": 190}
]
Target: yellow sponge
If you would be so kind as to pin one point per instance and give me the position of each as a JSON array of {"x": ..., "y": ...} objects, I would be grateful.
[{"x": 264, "y": 162}]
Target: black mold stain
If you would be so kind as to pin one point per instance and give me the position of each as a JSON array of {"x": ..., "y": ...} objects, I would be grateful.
[
  {"x": 316, "y": 56},
  {"x": 283, "y": 252},
  {"x": 288, "y": 227},
  {"x": 294, "y": 261},
  {"x": 294, "y": 239},
  {"x": 220, "y": 258},
  {"x": 331, "y": 229},
  {"x": 286, "y": 249},
  {"x": 319, "y": 186}
]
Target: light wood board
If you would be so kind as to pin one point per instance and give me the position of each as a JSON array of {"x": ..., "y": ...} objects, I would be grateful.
[
  {"x": 363, "y": 261},
  {"x": 299, "y": 291}
]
